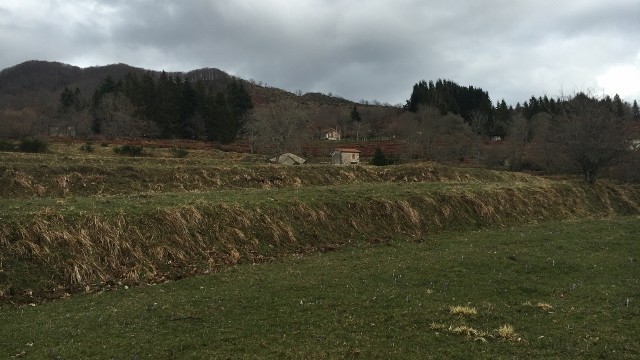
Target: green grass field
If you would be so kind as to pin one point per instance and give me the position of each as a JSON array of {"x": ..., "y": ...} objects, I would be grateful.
[
  {"x": 567, "y": 289},
  {"x": 220, "y": 255}
]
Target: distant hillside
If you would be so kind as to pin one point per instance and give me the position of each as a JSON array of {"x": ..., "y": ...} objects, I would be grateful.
[
  {"x": 31, "y": 103},
  {"x": 19, "y": 83},
  {"x": 38, "y": 84}
]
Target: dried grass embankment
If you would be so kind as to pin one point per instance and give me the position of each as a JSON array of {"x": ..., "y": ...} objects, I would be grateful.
[
  {"x": 52, "y": 253},
  {"x": 136, "y": 176}
]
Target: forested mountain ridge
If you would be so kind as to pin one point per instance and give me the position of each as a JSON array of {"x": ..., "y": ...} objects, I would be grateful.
[
  {"x": 441, "y": 120},
  {"x": 36, "y": 98},
  {"x": 42, "y": 77}
]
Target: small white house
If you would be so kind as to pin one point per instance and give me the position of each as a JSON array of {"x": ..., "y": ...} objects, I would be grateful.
[
  {"x": 342, "y": 156},
  {"x": 331, "y": 134}
]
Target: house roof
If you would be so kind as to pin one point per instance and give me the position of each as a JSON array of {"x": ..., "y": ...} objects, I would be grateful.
[{"x": 348, "y": 150}]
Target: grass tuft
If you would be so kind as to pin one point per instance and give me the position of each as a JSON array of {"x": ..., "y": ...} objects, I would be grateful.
[
  {"x": 540, "y": 305},
  {"x": 506, "y": 332},
  {"x": 463, "y": 310},
  {"x": 467, "y": 331}
]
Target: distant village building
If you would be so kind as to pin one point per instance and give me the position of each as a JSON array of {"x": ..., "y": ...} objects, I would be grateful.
[
  {"x": 62, "y": 130},
  {"x": 342, "y": 156},
  {"x": 330, "y": 134}
]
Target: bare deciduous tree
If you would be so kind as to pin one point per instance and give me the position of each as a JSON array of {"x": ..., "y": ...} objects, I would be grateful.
[
  {"x": 454, "y": 138},
  {"x": 517, "y": 138},
  {"x": 17, "y": 123},
  {"x": 118, "y": 114},
  {"x": 421, "y": 131},
  {"x": 590, "y": 134},
  {"x": 278, "y": 128},
  {"x": 479, "y": 121},
  {"x": 431, "y": 135}
]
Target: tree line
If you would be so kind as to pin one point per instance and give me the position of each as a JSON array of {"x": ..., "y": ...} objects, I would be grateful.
[
  {"x": 441, "y": 121},
  {"x": 580, "y": 133},
  {"x": 165, "y": 106}
]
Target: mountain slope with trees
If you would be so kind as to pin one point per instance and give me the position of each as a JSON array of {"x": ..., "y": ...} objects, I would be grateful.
[{"x": 441, "y": 121}]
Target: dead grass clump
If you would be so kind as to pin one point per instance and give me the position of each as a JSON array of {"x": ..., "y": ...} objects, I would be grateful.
[
  {"x": 174, "y": 222},
  {"x": 234, "y": 257},
  {"x": 463, "y": 310},
  {"x": 540, "y": 305},
  {"x": 484, "y": 209},
  {"x": 409, "y": 212},
  {"x": 507, "y": 333},
  {"x": 20, "y": 178},
  {"x": 467, "y": 331},
  {"x": 544, "y": 306}
]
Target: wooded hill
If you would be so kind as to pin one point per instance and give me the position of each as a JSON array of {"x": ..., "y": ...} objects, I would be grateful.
[
  {"x": 441, "y": 120},
  {"x": 36, "y": 96}
]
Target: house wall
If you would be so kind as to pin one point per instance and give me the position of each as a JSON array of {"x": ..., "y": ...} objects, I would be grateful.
[
  {"x": 336, "y": 158},
  {"x": 350, "y": 158},
  {"x": 345, "y": 158},
  {"x": 331, "y": 135}
]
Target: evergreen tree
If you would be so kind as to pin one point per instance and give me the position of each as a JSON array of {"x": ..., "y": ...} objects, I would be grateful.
[
  {"x": 239, "y": 103},
  {"x": 635, "y": 110},
  {"x": 501, "y": 119},
  {"x": 176, "y": 107},
  {"x": 131, "y": 88},
  {"x": 167, "y": 115},
  {"x": 187, "y": 110},
  {"x": 66, "y": 98},
  {"x": 225, "y": 119},
  {"x": 379, "y": 159},
  {"x": 618, "y": 106},
  {"x": 70, "y": 100},
  {"x": 147, "y": 95},
  {"x": 449, "y": 97},
  {"x": 219, "y": 119},
  {"x": 355, "y": 115},
  {"x": 108, "y": 86}
]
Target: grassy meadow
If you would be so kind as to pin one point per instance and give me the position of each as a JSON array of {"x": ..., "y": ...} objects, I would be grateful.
[
  {"x": 220, "y": 255},
  {"x": 558, "y": 289}
]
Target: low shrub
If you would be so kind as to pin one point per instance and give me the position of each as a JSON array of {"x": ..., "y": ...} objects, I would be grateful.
[
  {"x": 7, "y": 146},
  {"x": 32, "y": 145},
  {"x": 129, "y": 150},
  {"x": 179, "y": 153},
  {"x": 88, "y": 147},
  {"x": 379, "y": 158}
]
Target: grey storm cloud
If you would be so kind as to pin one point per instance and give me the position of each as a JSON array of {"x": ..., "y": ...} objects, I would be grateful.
[{"x": 374, "y": 49}]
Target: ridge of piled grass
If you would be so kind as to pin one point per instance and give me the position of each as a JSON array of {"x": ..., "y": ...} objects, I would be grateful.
[
  {"x": 45, "y": 175},
  {"x": 76, "y": 222},
  {"x": 49, "y": 251}
]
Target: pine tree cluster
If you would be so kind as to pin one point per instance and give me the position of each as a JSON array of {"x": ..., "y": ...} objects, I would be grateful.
[{"x": 178, "y": 107}]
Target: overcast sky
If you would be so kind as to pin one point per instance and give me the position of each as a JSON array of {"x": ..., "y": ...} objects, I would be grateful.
[{"x": 371, "y": 49}]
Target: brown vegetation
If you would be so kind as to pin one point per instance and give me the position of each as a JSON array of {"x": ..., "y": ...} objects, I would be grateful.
[{"x": 130, "y": 241}]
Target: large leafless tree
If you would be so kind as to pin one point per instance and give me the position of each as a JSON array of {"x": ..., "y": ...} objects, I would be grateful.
[
  {"x": 479, "y": 121},
  {"x": 432, "y": 135},
  {"x": 277, "y": 128},
  {"x": 590, "y": 134}
]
